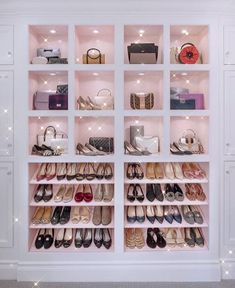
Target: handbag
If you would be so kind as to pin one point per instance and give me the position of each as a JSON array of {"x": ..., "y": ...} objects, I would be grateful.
[
  {"x": 142, "y": 53},
  {"x": 134, "y": 132},
  {"x": 188, "y": 54},
  {"x": 142, "y": 100},
  {"x": 190, "y": 142},
  {"x": 176, "y": 91},
  {"x": 41, "y": 100},
  {"x": 58, "y": 61},
  {"x": 197, "y": 97},
  {"x": 104, "y": 144},
  {"x": 58, "y": 102},
  {"x": 148, "y": 143},
  {"x": 39, "y": 60},
  {"x": 93, "y": 56},
  {"x": 60, "y": 144},
  {"x": 49, "y": 52},
  {"x": 62, "y": 89},
  {"x": 104, "y": 99},
  {"x": 183, "y": 104},
  {"x": 50, "y": 135}
]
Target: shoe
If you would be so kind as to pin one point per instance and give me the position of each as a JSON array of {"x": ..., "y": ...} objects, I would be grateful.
[
  {"x": 65, "y": 215},
  {"x": 39, "y": 242},
  {"x": 171, "y": 237},
  {"x": 169, "y": 172},
  {"x": 138, "y": 171},
  {"x": 49, "y": 151},
  {"x": 68, "y": 237},
  {"x": 158, "y": 192},
  {"x": 61, "y": 171},
  {"x": 84, "y": 150},
  {"x": 85, "y": 214},
  {"x": 48, "y": 238},
  {"x": 180, "y": 237},
  {"x": 175, "y": 150},
  {"x": 151, "y": 239},
  {"x": 139, "y": 194},
  {"x": 140, "y": 215},
  {"x": 131, "y": 214},
  {"x": 198, "y": 236},
  {"x": 161, "y": 242},
  {"x": 190, "y": 191},
  {"x": 48, "y": 193},
  {"x": 87, "y": 193},
  {"x": 55, "y": 219},
  {"x": 98, "y": 194},
  {"x": 197, "y": 214},
  {"x": 50, "y": 171},
  {"x": 131, "y": 193},
  {"x": 78, "y": 197},
  {"x": 179, "y": 195},
  {"x": 131, "y": 149},
  {"x": 80, "y": 175},
  {"x": 98, "y": 237},
  {"x": 40, "y": 191},
  {"x": 189, "y": 237},
  {"x": 130, "y": 171},
  {"x": 176, "y": 214},
  {"x": 159, "y": 213},
  {"x": 108, "y": 171},
  {"x": 97, "y": 216},
  {"x": 188, "y": 214},
  {"x": 46, "y": 217},
  {"x": 100, "y": 171},
  {"x": 60, "y": 194},
  {"x": 38, "y": 215},
  {"x": 59, "y": 238},
  {"x": 150, "y": 214},
  {"x": 150, "y": 171},
  {"x": 108, "y": 192},
  {"x": 90, "y": 172},
  {"x": 177, "y": 171},
  {"x": 187, "y": 170},
  {"x": 159, "y": 171},
  {"x": 87, "y": 238},
  {"x": 41, "y": 151},
  {"x": 71, "y": 171},
  {"x": 150, "y": 195},
  {"x": 200, "y": 195},
  {"x": 92, "y": 104},
  {"x": 168, "y": 214},
  {"x": 75, "y": 215},
  {"x": 197, "y": 171},
  {"x": 139, "y": 238},
  {"x": 94, "y": 150},
  {"x": 130, "y": 238},
  {"x": 179, "y": 147},
  {"x": 106, "y": 217},
  {"x": 169, "y": 194},
  {"x": 68, "y": 195},
  {"x": 83, "y": 104},
  {"x": 41, "y": 173},
  {"x": 78, "y": 238},
  {"x": 107, "y": 240}
]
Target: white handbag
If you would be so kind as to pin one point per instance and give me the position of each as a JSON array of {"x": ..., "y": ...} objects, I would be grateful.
[
  {"x": 104, "y": 99},
  {"x": 148, "y": 143},
  {"x": 60, "y": 144}
]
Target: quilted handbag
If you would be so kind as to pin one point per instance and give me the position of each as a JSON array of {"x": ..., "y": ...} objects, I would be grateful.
[
  {"x": 62, "y": 89},
  {"x": 105, "y": 144},
  {"x": 93, "y": 56},
  {"x": 49, "y": 52},
  {"x": 148, "y": 143},
  {"x": 183, "y": 104},
  {"x": 58, "y": 61},
  {"x": 197, "y": 97},
  {"x": 190, "y": 142},
  {"x": 41, "y": 100},
  {"x": 188, "y": 54},
  {"x": 58, "y": 102},
  {"x": 142, "y": 53},
  {"x": 49, "y": 135},
  {"x": 104, "y": 99},
  {"x": 142, "y": 100}
]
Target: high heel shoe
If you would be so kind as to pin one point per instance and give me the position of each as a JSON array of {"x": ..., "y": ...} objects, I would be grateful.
[
  {"x": 92, "y": 104},
  {"x": 41, "y": 174},
  {"x": 108, "y": 171},
  {"x": 138, "y": 171},
  {"x": 139, "y": 194},
  {"x": 96, "y": 151},
  {"x": 130, "y": 171},
  {"x": 83, "y": 104},
  {"x": 131, "y": 149},
  {"x": 90, "y": 171},
  {"x": 38, "y": 150},
  {"x": 84, "y": 150}
]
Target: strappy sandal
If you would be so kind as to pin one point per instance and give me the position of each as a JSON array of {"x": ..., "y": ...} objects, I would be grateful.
[
  {"x": 139, "y": 238},
  {"x": 130, "y": 238},
  {"x": 200, "y": 195},
  {"x": 190, "y": 191}
]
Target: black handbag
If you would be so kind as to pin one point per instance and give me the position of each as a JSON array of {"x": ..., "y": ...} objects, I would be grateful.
[
  {"x": 177, "y": 104},
  {"x": 104, "y": 144},
  {"x": 142, "y": 53},
  {"x": 62, "y": 89},
  {"x": 58, "y": 102}
]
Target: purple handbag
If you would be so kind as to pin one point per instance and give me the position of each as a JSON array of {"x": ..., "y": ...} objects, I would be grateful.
[
  {"x": 198, "y": 97},
  {"x": 58, "y": 102}
]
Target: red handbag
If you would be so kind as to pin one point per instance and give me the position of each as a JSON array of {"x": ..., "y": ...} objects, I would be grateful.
[{"x": 188, "y": 54}]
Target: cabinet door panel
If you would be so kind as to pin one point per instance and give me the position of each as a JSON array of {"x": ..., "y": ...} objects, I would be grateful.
[
  {"x": 229, "y": 188},
  {"x": 6, "y": 47},
  {"x": 229, "y": 115},
  {"x": 6, "y": 113},
  {"x": 6, "y": 204}
]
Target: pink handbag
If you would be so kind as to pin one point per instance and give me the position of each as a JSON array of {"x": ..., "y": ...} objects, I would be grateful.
[{"x": 198, "y": 97}]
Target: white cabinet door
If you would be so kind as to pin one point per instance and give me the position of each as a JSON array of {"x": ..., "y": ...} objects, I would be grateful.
[
  {"x": 6, "y": 113},
  {"x": 6, "y": 204},
  {"x": 229, "y": 203},
  {"x": 229, "y": 114},
  {"x": 6, "y": 44}
]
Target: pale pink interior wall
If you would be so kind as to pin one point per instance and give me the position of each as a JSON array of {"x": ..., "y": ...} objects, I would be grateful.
[
  {"x": 37, "y": 125},
  {"x": 86, "y": 127},
  {"x": 149, "y": 82},
  {"x": 200, "y": 125},
  {"x": 86, "y": 84},
  {"x": 152, "y": 34},
  {"x": 41, "y": 81}
]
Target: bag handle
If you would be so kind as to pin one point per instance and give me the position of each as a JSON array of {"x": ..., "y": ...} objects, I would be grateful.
[
  {"x": 89, "y": 56},
  {"x": 46, "y": 131},
  {"x": 189, "y": 130},
  {"x": 188, "y": 43},
  {"x": 105, "y": 89}
]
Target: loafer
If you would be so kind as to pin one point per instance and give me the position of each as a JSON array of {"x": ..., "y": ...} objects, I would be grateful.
[
  {"x": 169, "y": 194},
  {"x": 151, "y": 240},
  {"x": 168, "y": 214},
  {"x": 56, "y": 215},
  {"x": 176, "y": 214},
  {"x": 189, "y": 237},
  {"x": 107, "y": 240},
  {"x": 188, "y": 214},
  {"x": 139, "y": 194},
  {"x": 198, "y": 237},
  {"x": 65, "y": 215},
  {"x": 78, "y": 197},
  {"x": 48, "y": 193},
  {"x": 59, "y": 238},
  {"x": 131, "y": 193},
  {"x": 48, "y": 238},
  {"x": 158, "y": 192},
  {"x": 131, "y": 215},
  {"x": 197, "y": 215},
  {"x": 98, "y": 237},
  {"x": 87, "y": 193},
  {"x": 150, "y": 214},
  {"x": 106, "y": 217},
  {"x": 150, "y": 195},
  {"x": 40, "y": 191},
  {"x": 68, "y": 237},
  {"x": 87, "y": 239},
  {"x": 78, "y": 240},
  {"x": 159, "y": 213},
  {"x": 140, "y": 216},
  {"x": 39, "y": 242}
]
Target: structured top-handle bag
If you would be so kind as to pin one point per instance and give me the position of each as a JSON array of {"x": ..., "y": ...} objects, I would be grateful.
[
  {"x": 188, "y": 54},
  {"x": 104, "y": 99},
  {"x": 50, "y": 137},
  {"x": 142, "y": 100},
  {"x": 93, "y": 56},
  {"x": 190, "y": 142}
]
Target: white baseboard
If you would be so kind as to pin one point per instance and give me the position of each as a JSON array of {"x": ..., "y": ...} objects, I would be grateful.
[
  {"x": 119, "y": 272},
  {"x": 228, "y": 270},
  {"x": 8, "y": 271}
]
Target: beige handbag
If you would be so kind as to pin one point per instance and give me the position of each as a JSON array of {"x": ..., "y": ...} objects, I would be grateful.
[
  {"x": 190, "y": 142},
  {"x": 93, "y": 56}
]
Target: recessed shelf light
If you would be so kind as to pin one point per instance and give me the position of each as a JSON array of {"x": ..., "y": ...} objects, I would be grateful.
[
  {"x": 230, "y": 252},
  {"x": 53, "y": 31},
  {"x": 95, "y": 74},
  {"x": 52, "y": 74},
  {"x": 141, "y": 31},
  {"x": 187, "y": 81},
  {"x": 184, "y": 74},
  {"x": 138, "y": 81},
  {"x": 141, "y": 74},
  {"x": 89, "y": 128},
  {"x": 185, "y": 32},
  {"x": 5, "y": 110},
  {"x": 45, "y": 82},
  {"x": 96, "y": 31},
  {"x": 187, "y": 117},
  {"x": 226, "y": 272},
  {"x": 45, "y": 39},
  {"x": 173, "y": 75}
]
